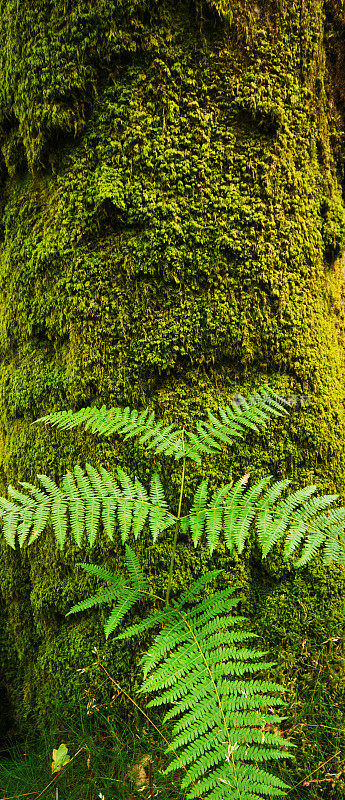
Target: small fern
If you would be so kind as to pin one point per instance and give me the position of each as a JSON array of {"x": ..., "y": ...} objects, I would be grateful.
[
  {"x": 90, "y": 497},
  {"x": 200, "y": 665},
  {"x": 87, "y": 497},
  {"x": 119, "y": 592}
]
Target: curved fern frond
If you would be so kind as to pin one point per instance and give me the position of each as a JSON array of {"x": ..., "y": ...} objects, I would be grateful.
[
  {"x": 224, "y": 723},
  {"x": 125, "y": 594},
  {"x": 85, "y": 498},
  {"x": 123, "y": 422},
  {"x": 232, "y": 423},
  {"x": 209, "y": 437},
  {"x": 300, "y": 519}
]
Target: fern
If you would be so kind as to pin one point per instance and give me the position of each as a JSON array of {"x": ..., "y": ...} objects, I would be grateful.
[
  {"x": 210, "y": 435},
  {"x": 86, "y": 497},
  {"x": 117, "y": 591},
  {"x": 155, "y": 435},
  {"x": 306, "y": 523},
  {"x": 232, "y": 423},
  {"x": 301, "y": 519},
  {"x": 200, "y": 665}
]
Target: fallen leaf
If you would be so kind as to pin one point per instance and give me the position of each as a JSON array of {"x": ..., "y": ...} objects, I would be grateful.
[
  {"x": 60, "y": 758},
  {"x": 138, "y": 772}
]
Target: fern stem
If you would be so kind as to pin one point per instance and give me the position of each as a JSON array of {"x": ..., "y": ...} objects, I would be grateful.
[{"x": 178, "y": 524}]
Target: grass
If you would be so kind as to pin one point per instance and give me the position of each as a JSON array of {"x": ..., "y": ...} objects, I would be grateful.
[
  {"x": 111, "y": 758},
  {"x": 118, "y": 755}
]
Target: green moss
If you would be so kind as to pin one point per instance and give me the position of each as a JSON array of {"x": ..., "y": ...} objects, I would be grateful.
[{"x": 172, "y": 232}]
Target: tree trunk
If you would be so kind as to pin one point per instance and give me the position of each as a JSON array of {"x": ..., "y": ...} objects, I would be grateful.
[{"x": 172, "y": 233}]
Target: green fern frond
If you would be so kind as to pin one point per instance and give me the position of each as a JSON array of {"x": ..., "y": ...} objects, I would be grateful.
[
  {"x": 209, "y": 437},
  {"x": 160, "y": 519},
  {"x": 246, "y": 514},
  {"x": 85, "y": 498},
  {"x": 125, "y": 508},
  {"x": 23, "y": 499},
  {"x": 104, "y": 596},
  {"x": 38, "y": 496},
  {"x": 214, "y": 516},
  {"x": 154, "y": 621},
  {"x": 6, "y": 506},
  {"x": 58, "y": 515},
  {"x": 10, "y": 526},
  {"x": 135, "y": 572},
  {"x": 24, "y": 526},
  {"x": 76, "y": 508},
  {"x": 55, "y": 507},
  {"x": 125, "y": 594},
  {"x": 41, "y": 518},
  {"x": 125, "y": 603},
  {"x": 109, "y": 516},
  {"x": 232, "y": 423},
  {"x": 141, "y": 508},
  {"x": 231, "y": 508},
  {"x": 96, "y": 482},
  {"x": 102, "y": 574},
  {"x": 92, "y": 517},
  {"x": 301, "y": 519},
  {"x": 223, "y": 715},
  {"x": 127, "y": 485},
  {"x": 199, "y": 584},
  {"x": 198, "y": 512},
  {"x": 130, "y": 424}
]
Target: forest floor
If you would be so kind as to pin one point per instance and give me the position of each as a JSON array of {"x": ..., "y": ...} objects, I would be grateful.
[{"x": 111, "y": 759}]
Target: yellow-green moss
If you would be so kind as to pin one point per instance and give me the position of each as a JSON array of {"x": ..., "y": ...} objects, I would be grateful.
[{"x": 172, "y": 232}]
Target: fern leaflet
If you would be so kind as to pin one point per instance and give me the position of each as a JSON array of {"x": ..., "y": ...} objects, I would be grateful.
[
  {"x": 232, "y": 423},
  {"x": 209, "y": 437},
  {"x": 155, "y": 435}
]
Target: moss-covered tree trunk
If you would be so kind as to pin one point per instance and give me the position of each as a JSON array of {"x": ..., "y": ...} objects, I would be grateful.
[{"x": 172, "y": 232}]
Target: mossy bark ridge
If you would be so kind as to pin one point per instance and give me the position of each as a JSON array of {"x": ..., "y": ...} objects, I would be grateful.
[{"x": 172, "y": 231}]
